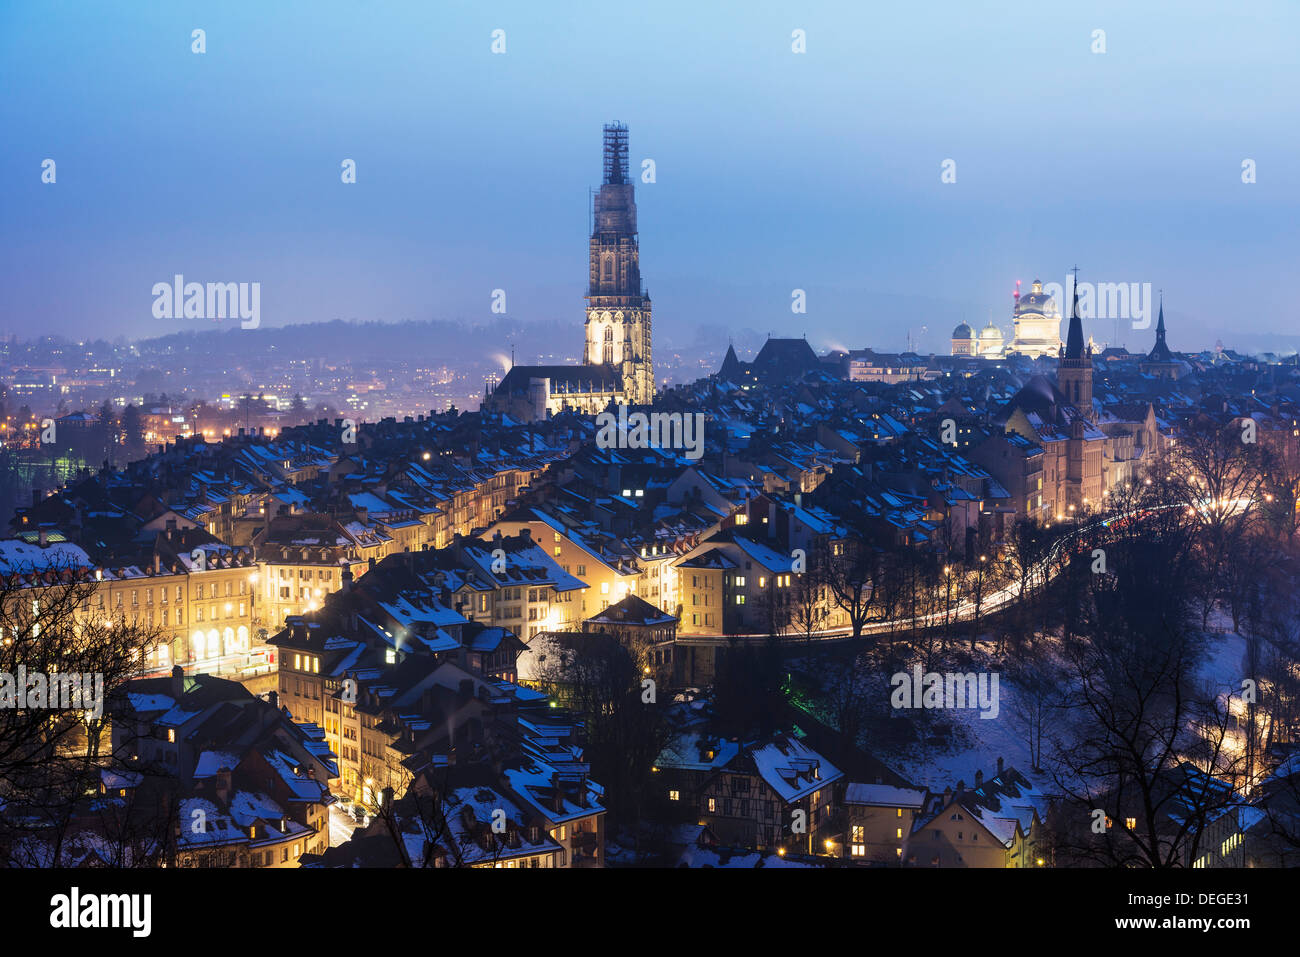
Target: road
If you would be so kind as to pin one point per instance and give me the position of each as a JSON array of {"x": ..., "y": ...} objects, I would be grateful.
[{"x": 1041, "y": 573}]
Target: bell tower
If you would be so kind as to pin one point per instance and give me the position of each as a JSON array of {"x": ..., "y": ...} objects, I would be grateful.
[
  {"x": 1074, "y": 365},
  {"x": 618, "y": 308}
]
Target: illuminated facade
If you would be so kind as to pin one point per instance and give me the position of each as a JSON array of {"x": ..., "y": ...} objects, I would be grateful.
[
  {"x": 1037, "y": 322},
  {"x": 617, "y": 362}
]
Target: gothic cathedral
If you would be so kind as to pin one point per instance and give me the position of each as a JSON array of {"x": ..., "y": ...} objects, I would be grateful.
[{"x": 618, "y": 308}]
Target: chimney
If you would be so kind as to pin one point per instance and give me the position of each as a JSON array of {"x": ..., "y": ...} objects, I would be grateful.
[
  {"x": 42, "y": 537},
  {"x": 979, "y": 779},
  {"x": 386, "y": 799},
  {"x": 999, "y": 765},
  {"x": 347, "y": 580},
  {"x": 223, "y": 785},
  {"x": 178, "y": 681},
  {"x": 947, "y": 795},
  {"x": 274, "y": 699}
]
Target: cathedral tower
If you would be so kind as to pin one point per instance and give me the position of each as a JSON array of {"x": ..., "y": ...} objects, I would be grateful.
[
  {"x": 618, "y": 309},
  {"x": 1074, "y": 367}
]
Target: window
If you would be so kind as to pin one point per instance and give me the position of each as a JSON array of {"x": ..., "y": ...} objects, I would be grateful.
[
  {"x": 674, "y": 795},
  {"x": 713, "y": 805}
]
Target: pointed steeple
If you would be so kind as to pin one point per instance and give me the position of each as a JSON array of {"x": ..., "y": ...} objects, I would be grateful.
[
  {"x": 1074, "y": 367},
  {"x": 1074, "y": 338},
  {"x": 1161, "y": 351}
]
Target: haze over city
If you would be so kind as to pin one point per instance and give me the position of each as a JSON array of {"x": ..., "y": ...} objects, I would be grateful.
[{"x": 773, "y": 171}]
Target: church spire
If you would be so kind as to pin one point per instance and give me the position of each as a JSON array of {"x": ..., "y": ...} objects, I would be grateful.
[
  {"x": 1074, "y": 339},
  {"x": 1161, "y": 351},
  {"x": 1074, "y": 368}
]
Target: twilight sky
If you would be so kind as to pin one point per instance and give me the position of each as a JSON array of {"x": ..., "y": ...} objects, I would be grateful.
[{"x": 775, "y": 170}]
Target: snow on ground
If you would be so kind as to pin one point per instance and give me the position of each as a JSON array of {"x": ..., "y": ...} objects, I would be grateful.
[
  {"x": 1225, "y": 663},
  {"x": 977, "y": 743}
]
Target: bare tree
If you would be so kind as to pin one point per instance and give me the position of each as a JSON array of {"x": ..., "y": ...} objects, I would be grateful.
[{"x": 852, "y": 570}]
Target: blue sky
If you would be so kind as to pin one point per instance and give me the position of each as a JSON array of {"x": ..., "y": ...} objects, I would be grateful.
[{"x": 775, "y": 170}]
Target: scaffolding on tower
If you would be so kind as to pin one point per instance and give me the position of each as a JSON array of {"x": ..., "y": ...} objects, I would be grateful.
[{"x": 615, "y": 153}]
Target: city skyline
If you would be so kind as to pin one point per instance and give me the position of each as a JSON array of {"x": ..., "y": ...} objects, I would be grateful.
[{"x": 1099, "y": 158}]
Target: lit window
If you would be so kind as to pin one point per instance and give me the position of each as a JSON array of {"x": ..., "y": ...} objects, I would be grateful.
[{"x": 674, "y": 796}]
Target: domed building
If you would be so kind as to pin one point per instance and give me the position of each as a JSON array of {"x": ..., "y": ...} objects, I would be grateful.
[
  {"x": 964, "y": 341},
  {"x": 991, "y": 341},
  {"x": 1037, "y": 322}
]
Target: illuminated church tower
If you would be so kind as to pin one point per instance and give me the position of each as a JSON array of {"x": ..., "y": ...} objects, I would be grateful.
[
  {"x": 618, "y": 309},
  {"x": 1074, "y": 367}
]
